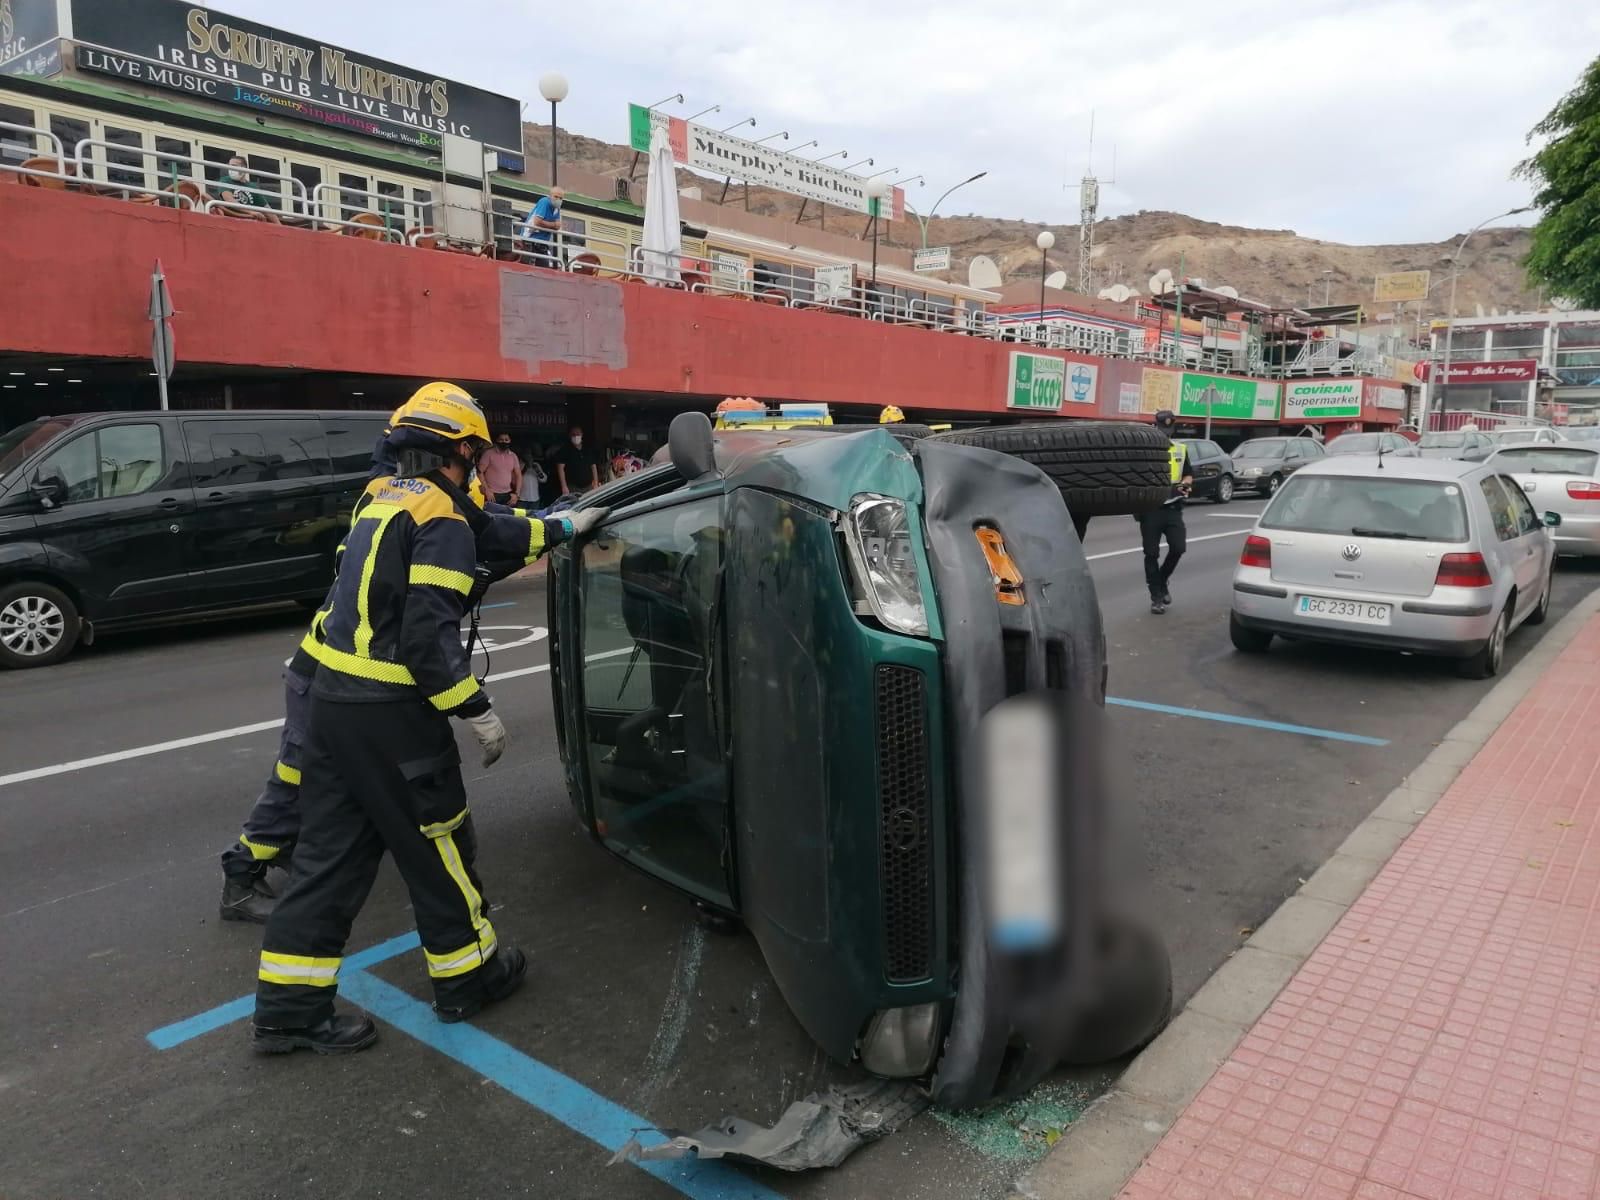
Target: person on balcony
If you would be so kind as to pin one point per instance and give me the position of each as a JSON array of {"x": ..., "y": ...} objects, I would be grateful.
[
  {"x": 543, "y": 228},
  {"x": 236, "y": 188}
]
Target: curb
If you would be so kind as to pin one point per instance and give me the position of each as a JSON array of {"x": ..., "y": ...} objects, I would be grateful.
[{"x": 1103, "y": 1148}]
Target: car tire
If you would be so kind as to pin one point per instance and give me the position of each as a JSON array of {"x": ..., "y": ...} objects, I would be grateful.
[
  {"x": 39, "y": 625},
  {"x": 1486, "y": 663},
  {"x": 1224, "y": 490},
  {"x": 1103, "y": 468},
  {"x": 1134, "y": 1001},
  {"x": 1246, "y": 640},
  {"x": 1272, "y": 485},
  {"x": 1540, "y": 614}
]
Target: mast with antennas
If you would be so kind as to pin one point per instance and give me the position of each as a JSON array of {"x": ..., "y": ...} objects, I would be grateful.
[{"x": 1088, "y": 207}]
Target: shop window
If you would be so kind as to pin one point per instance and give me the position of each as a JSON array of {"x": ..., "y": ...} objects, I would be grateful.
[
  {"x": 262, "y": 179},
  {"x": 422, "y": 207},
  {"x": 172, "y": 161},
  {"x": 69, "y": 131},
  {"x": 392, "y": 203},
  {"x": 15, "y": 144},
  {"x": 352, "y": 194},
  {"x": 216, "y": 167}
]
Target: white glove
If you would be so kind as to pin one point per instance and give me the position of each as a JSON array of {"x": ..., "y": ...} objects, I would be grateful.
[
  {"x": 585, "y": 520},
  {"x": 491, "y": 734}
]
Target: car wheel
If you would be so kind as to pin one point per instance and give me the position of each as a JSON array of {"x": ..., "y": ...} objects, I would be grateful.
[
  {"x": 1134, "y": 995},
  {"x": 39, "y": 625},
  {"x": 1103, "y": 468},
  {"x": 1247, "y": 640},
  {"x": 1538, "y": 615},
  {"x": 1224, "y": 490},
  {"x": 1485, "y": 664},
  {"x": 1274, "y": 484}
]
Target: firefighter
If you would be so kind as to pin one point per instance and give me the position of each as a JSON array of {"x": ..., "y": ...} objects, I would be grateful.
[
  {"x": 380, "y": 770},
  {"x": 268, "y": 836}
]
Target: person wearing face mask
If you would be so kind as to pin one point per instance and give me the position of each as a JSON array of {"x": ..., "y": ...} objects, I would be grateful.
[
  {"x": 236, "y": 188},
  {"x": 501, "y": 471},
  {"x": 575, "y": 467}
]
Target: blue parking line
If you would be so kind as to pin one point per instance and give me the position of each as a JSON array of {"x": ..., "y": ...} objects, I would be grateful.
[
  {"x": 497, "y": 604},
  {"x": 1331, "y": 735},
  {"x": 579, "y": 1108},
  {"x": 190, "y": 1028}
]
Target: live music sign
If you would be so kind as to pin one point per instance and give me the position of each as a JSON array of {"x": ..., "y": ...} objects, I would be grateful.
[{"x": 1505, "y": 370}]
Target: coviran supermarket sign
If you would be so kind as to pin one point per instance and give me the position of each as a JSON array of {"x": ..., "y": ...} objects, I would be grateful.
[
  {"x": 187, "y": 48},
  {"x": 1321, "y": 398}
]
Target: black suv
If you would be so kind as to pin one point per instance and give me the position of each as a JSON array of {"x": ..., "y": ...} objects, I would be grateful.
[{"x": 110, "y": 520}]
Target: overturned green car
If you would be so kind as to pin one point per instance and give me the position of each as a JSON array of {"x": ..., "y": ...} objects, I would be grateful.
[{"x": 846, "y": 688}]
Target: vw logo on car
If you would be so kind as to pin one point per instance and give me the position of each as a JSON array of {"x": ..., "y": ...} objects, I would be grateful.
[{"x": 1351, "y": 552}]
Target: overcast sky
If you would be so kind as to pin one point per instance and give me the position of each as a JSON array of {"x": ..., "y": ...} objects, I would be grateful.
[{"x": 1362, "y": 121}]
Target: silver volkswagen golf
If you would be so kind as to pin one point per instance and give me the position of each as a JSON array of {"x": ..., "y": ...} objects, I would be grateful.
[{"x": 1428, "y": 556}]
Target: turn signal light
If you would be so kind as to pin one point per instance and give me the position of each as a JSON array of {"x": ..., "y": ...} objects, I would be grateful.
[
  {"x": 1257, "y": 552},
  {"x": 1463, "y": 570},
  {"x": 1583, "y": 489},
  {"x": 1003, "y": 570}
]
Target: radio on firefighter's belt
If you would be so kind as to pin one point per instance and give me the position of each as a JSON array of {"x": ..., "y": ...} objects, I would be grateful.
[{"x": 482, "y": 577}]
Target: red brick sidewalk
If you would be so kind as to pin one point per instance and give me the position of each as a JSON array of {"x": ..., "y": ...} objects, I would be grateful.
[{"x": 1444, "y": 1039}]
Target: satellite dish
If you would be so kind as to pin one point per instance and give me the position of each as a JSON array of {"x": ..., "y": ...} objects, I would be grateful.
[
  {"x": 1056, "y": 279},
  {"x": 982, "y": 273},
  {"x": 1197, "y": 281},
  {"x": 1116, "y": 293},
  {"x": 1479, "y": 307},
  {"x": 1228, "y": 290},
  {"x": 1161, "y": 283}
]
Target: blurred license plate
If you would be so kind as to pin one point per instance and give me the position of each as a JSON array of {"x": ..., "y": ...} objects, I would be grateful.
[
  {"x": 1360, "y": 612},
  {"x": 1020, "y": 782}
]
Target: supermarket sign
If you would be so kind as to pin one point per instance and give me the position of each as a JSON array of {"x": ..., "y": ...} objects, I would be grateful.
[
  {"x": 1042, "y": 382},
  {"x": 1225, "y": 398},
  {"x": 1316, "y": 398}
]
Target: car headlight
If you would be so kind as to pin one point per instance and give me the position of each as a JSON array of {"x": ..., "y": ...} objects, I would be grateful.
[
  {"x": 884, "y": 563},
  {"x": 1250, "y": 471}
]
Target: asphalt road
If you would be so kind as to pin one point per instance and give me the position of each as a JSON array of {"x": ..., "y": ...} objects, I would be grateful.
[{"x": 108, "y": 919}]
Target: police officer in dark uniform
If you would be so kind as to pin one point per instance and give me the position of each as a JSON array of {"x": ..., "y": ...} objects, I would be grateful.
[
  {"x": 380, "y": 771},
  {"x": 1166, "y": 521}
]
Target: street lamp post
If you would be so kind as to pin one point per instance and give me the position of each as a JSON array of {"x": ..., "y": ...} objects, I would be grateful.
[
  {"x": 553, "y": 87},
  {"x": 923, "y": 220},
  {"x": 877, "y": 189},
  {"x": 1450, "y": 316},
  {"x": 1045, "y": 241}
]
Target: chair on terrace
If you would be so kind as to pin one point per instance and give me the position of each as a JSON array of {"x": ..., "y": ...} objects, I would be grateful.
[
  {"x": 57, "y": 168},
  {"x": 371, "y": 226}
]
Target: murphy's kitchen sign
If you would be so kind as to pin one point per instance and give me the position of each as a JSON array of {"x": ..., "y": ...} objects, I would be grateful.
[{"x": 189, "y": 48}]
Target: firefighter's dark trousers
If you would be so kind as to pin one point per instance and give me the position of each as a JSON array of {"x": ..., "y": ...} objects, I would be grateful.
[
  {"x": 274, "y": 823},
  {"x": 377, "y": 777}
]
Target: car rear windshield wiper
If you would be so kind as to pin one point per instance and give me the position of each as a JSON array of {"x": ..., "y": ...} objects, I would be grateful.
[{"x": 1362, "y": 531}]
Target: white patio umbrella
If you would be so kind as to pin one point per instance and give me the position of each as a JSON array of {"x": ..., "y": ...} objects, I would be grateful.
[{"x": 662, "y": 247}]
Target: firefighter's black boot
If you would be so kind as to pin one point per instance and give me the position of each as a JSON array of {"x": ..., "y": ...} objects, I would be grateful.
[
  {"x": 502, "y": 976},
  {"x": 342, "y": 1034}
]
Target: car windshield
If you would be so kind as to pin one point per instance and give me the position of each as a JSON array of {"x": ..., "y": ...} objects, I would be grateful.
[
  {"x": 1515, "y": 437},
  {"x": 1548, "y": 460},
  {"x": 1442, "y": 441},
  {"x": 17, "y": 445},
  {"x": 1421, "y": 510},
  {"x": 1260, "y": 448},
  {"x": 1355, "y": 443}
]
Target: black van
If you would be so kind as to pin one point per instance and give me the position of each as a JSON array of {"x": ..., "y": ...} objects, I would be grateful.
[{"x": 109, "y": 520}]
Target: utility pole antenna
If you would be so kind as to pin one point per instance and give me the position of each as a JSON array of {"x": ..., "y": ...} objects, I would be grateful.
[{"x": 1088, "y": 208}]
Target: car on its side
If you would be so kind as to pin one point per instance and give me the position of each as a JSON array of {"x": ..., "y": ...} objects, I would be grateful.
[
  {"x": 1213, "y": 470},
  {"x": 1373, "y": 443},
  {"x": 1561, "y": 478},
  {"x": 1427, "y": 556},
  {"x": 785, "y": 673},
  {"x": 1465, "y": 444},
  {"x": 1261, "y": 465}
]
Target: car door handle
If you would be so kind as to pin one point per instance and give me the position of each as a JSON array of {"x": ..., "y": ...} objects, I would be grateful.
[
  {"x": 170, "y": 502},
  {"x": 216, "y": 496}
]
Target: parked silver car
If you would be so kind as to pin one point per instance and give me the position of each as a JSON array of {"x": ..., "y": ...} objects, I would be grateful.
[
  {"x": 1371, "y": 443},
  {"x": 1455, "y": 443},
  {"x": 1430, "y": 556},
  {"x": 1530, "y": 435},
  {"x": 1261, "y": 465},
  {"x": 1562, "y": 477}
]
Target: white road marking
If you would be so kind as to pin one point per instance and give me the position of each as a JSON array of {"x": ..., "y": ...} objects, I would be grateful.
[
  {"x": 1205, "y": 537},
  {"x": 219, "y": 735}
]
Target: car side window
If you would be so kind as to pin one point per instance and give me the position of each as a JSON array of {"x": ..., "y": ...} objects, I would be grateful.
[
  {"x": 233, "y": 453},
  {"x": 1501, "y": 510},
  {"x": 1313, "y": 449},
  {"x": 1527, "y": 516},
  {"x": 74, "y": 469}
]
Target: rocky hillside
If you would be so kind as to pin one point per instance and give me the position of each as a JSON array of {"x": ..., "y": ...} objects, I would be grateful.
[{"x": 1274, "y": 265}]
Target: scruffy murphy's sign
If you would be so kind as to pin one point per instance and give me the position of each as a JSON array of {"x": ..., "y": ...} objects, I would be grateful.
[
  {"x": 28, "y": 38},
  {"x": 187, "y": 48}
]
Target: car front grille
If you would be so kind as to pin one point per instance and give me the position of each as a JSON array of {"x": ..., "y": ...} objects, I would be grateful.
[{"x": 905, "y": 840}]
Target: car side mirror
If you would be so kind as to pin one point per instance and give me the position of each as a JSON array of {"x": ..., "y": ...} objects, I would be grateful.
[
  {"x": 690, "y": 444},
  {"x": 1552, "y": 519},
  {"x": 49, "y": 491}
]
